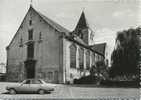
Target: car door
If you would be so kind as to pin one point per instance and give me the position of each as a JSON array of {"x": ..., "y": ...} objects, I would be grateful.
[
  {"x": 35, "y": 85},
  {"x": 25, "y": 86}
]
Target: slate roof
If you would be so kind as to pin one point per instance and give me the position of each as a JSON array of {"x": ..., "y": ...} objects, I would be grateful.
[
  {"x": 52, "y": 23},
  {"x": 99, "y": 48},
  {"x": 82, "y": 23}
]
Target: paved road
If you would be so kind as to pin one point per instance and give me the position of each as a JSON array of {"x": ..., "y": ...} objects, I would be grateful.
[{"x": 65, "y": 91}]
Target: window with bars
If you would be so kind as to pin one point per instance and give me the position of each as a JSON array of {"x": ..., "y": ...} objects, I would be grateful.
[{"x": 73, "y": 56}]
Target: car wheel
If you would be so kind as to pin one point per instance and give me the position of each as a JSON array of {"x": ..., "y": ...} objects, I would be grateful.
[
  {"x": 41, "y": 91},
  {"x": 12, "y": 91}
]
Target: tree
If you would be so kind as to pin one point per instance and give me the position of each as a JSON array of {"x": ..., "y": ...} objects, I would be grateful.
[
  {"x": 99, "y": 71},
  {"x": 125, "y": 57}
]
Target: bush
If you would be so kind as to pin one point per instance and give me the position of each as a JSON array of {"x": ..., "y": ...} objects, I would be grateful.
[{"x": 86, "y": 80}]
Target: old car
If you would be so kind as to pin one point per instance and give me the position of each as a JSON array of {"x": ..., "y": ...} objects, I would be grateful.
[{"x": 31, "y": 86}]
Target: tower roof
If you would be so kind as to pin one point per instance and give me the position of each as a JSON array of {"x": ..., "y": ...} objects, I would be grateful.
[{"x": 82, "y": 23}]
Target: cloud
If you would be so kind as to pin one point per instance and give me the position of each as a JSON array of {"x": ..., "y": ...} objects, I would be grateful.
[
  {"x": 123, "y": 13},
  {"x": 106, "y": 35},
  {"x": 65, "y": 15},
  {"x": 105, "y": 32},
  {"x": 61, "y": 15}
]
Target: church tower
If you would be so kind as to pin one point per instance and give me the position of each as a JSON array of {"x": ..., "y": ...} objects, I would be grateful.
[{"x": 83, "y": 30}]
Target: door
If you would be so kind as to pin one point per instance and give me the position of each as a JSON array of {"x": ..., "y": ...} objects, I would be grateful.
[
  {"x": 35, "y": 85},
  {"x": 25, "y": 86},
  {"x": 30, "y": 69}
]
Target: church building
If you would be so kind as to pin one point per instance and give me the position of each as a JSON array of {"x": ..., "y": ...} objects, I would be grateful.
[{"x": 43, "y": 49}]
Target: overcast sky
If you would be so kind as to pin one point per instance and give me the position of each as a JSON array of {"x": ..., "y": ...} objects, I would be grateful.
[{"x": 105, "y": 17}]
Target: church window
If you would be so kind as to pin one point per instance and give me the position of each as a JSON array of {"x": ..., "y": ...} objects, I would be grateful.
[
  {"x": 73, "y": 56},
  {"x": 96, "y": 57},
  {"x": 21, "y": 42},
  {"x": 81, "y": 58},
  {"x": 30, "y": 50},
  {"x": 30, "y": 34},
  {"x": 91, "y": 35},
  {"x": 93, "y": 58},
  {"x": 30, "y": 22},
  {"x": 87, "y": 59}
]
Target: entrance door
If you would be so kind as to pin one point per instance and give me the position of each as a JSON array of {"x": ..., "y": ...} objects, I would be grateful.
[{"x": 30, "y": 69}]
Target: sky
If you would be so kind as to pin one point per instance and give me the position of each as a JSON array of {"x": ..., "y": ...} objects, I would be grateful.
[{"x": 105, "y": 17}]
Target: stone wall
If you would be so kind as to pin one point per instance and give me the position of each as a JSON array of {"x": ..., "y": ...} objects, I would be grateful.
[
  {"x": 74, "y": 73},
  {"x": 46, "y": 50}
]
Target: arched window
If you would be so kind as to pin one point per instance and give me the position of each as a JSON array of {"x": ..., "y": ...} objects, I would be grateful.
[
  {"x": 30, "y": 22},
  {"x": 21, "y": 42},
  {"x": 87, "y": 59},
  {"x": 93, "y": 58},
  {"x": 73, "y": 56},
  {"x": 81, "y": 58}
]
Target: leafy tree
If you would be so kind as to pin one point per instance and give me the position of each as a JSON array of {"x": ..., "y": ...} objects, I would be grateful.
[
  {"x": 99, "y": 71},
  {"x": 125, "y": 57}
]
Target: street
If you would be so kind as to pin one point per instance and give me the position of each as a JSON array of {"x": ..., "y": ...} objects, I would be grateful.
[{"x": 70, "y": 91}]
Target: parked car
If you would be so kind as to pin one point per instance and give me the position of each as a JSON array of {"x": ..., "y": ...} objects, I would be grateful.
[{"x": 31, "y": 86}]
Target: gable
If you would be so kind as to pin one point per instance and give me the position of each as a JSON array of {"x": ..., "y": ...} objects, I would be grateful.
[
  {"x": 56, "y": 26},
  {"x": 21, "y": 25}
]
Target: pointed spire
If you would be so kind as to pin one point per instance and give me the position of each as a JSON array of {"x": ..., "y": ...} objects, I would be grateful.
[{"x": 82, "y": 23}]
